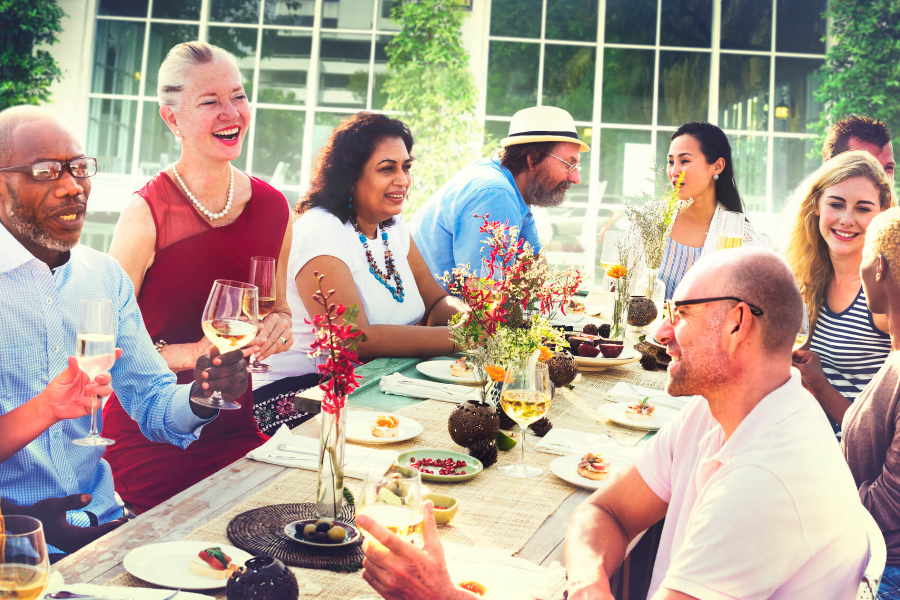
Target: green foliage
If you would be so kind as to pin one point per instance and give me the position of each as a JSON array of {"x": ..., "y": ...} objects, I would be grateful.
[
  {"x": 861, "y": 74},
  {"x": 429, "y": 85},
  {"x": 26, "y": 73}
]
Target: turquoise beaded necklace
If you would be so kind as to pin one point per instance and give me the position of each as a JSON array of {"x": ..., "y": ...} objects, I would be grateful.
[{"x": 396, "y": 292}]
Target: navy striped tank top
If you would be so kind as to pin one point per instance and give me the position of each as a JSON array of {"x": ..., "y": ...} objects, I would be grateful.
[{"x": 850, "y": 347}]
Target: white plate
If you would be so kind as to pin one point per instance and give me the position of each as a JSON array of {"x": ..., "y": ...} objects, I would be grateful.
[
  {"x": 439, "y": 370},
  {"x": 577, "y": 321},
  {"x": 166, "y": 564},
  {"x": 615, "y": 412},
  {"x": 599, "y": 363},
  {"x": 359, "y": 428},
  {"x": 566, "y": 468}
]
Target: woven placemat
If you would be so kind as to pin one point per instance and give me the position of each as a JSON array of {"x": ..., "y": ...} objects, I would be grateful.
[{"x": 261, "y": 531}]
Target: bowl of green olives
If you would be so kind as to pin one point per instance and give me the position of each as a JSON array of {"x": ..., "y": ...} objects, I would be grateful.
[{"x": 323, "y": 533}]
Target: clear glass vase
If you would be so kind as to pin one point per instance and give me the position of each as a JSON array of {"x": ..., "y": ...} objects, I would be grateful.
[
  {"x": 618, "y": 313},
  {"x": 330, "y": 490}
]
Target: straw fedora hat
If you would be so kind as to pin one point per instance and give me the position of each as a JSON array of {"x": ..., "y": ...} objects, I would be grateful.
[{"x": 542, "y": 124}]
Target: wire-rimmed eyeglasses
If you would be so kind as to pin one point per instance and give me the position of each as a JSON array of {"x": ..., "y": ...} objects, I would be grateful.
[
  {"x": 571, "y": 166},
  {"x": 50, "y": 170}
]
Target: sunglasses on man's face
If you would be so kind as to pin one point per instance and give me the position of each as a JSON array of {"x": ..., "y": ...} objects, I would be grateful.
[{"x": 50, "y": 170}]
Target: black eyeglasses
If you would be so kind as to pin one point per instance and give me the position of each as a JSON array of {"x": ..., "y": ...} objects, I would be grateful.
[
  {"x": 50, "y": 170},
  {"x": 671, "y": 305}
]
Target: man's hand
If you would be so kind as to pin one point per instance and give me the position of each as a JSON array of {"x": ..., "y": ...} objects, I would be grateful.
[
  {"x": 52, "y": 514},
  {"x": 398, "y": 570},
  {"x": 69, "y": 394},
  {"x": 812, "y": 376},
  {"x": 226, "y": 373}
]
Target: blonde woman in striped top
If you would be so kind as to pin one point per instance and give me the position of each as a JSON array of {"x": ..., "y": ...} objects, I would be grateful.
[{"x": 829, "y": 216}]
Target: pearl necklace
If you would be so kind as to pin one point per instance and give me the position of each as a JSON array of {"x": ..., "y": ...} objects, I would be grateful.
[{"x": 209, "y": 214}]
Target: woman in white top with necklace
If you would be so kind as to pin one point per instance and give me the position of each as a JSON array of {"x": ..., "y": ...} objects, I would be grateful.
[{"x": 350, "y": 229}]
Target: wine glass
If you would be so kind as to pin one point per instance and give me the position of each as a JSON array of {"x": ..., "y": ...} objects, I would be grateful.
[
  {"x": 262, "y": 275},
  {"x": 24, "y": 562},
  {"x": 609, "y": 256},
  {"x": 803, "y": 334},
  {"x": 393, "y": 500},
  {"x": 95, "y": 352},
  {"x": 230, "y": 321},
  {"x": 732, "y": 232},
  {"x": 525, "y": 397}
]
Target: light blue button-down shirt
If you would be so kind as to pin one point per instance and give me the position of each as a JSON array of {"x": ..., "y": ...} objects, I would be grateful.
[{"x": 38, "y": 321}]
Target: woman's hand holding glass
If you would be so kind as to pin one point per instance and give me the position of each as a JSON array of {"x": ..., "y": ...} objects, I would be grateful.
[{"x": 70, "y": 395}]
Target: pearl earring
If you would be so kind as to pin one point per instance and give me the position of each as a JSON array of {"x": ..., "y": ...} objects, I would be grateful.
[
  {"x": 178, "y": 137},
  {"x": 716, "y": 176}
]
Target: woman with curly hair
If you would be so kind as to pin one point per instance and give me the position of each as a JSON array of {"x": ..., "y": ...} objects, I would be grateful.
[
  {"x": 828, "y": 218},
  {"x": 350, "y": 228}
]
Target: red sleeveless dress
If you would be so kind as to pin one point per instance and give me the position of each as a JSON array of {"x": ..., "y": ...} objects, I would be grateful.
[{"x": 190, "y": 255}]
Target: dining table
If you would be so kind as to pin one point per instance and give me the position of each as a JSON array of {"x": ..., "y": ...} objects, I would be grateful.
[{"x": 522, "y": 518}]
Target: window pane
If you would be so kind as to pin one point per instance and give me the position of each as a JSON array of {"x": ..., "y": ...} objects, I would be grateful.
[
  {"x": 683, "y": 87},
  {"x": 344, "y": 70},
  {"x": 347, "y": 14},
  {"x": 241, "y": 42},
  {"x": 176, "y": 9},
  {"x": 123, "y": 8},
  {"x": 626, "y": 162},
  {"x": 628, "y": 86},
  {"x": 234, "y": 11},
  {"x": 746, "y": 25},
  {"x": 278, "y": 145},
  {"x": 379, "y": 97},
  {"x": 117, "y": 57},
  {"x": 749, "y": 155},
  {"x": 744, "y": 92},
  {"x": 325, "y": 124},
  {"x": 289, "y": 12},
  {"x": 384, "y": 17},
  {"x": 162, "y": 37},
  {"x": 790, "y": 164},
  {"x": 516, "y": 18},
  {"x": 686, "y": 23},
  {"x": 494, "y": 131},
  {"x": 572, "y": 20},
  {"x": 512, "y": 77},
  {"x": 632, "y": 22},
  {"x": 663, "y": 140},
  {"x": 806, "y": 39},
  {"x": 111, "y": 134},
  {"x": 284, "y": 66},
  {"x": 569, "y": 79},
  {"x": 795, "y": 81}
]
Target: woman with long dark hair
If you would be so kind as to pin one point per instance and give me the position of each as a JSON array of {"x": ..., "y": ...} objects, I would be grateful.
[{"x": 701, "y": 151}]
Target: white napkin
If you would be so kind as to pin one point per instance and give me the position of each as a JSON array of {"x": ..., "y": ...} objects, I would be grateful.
[
  {"x": 357, "y": 460},
  {"x": 399, "y": 385},
  {"x": 625, "y": 392},
  {"x": 566, "y": 441},
  {"x": 56, "y": 583},
  {"x": 504, "y": 576}
]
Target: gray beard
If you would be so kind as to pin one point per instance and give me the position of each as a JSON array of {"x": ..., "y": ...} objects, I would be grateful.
[
  {"x": 543, "y": 192},
  {"x": 26, "y": 223}
]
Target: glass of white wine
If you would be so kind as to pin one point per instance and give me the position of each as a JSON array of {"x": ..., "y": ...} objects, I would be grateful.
[
  {"x": 95, "y": 352},
  {"x": 525, "y": 397},
  {"x": 230, "y": 321},
  {"x": 732, "y": 233},
  {"x": 393, "y": 500},
  {"x": 803, "y": 334},
  {"x": 262, "y": 275},
  {"x": 24, "y": 562}
]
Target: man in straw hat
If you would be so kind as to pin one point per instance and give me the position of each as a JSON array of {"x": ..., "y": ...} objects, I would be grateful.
[{"x": 538, "y": 163}]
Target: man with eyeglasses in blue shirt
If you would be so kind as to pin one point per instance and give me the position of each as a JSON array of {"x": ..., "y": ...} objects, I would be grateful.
[
  {"x": 44, "y": 274},
  {"x": 537, "y": 165}
]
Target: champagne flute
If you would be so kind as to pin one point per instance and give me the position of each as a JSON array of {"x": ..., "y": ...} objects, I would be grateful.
[
  {"x": 393, "y": 500},
  {"x": 803, "y": 334},
  {"x": 24, "y": 562},
  {"x": 230, "y": 321},
  {"x": 95, "y": 353},
  {"x": 262, "y": 275},
  {"x": 525, "y": 397},
  {"x": 732, "y": 233}
]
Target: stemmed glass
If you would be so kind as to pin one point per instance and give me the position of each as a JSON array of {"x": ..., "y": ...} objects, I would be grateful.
[
  {"x": 393, "y": 500},
  {"x": 609, "y": 255},
  {"x": 230, "y": 321},
  {"x": 24, "y": 562},
  {"x": 803, "y": 334},
  {"x": 262, "y": 275},
  {"x": 525, "y": 397},
  {"x": 732, "y": 233},
  {"x": 95, "y": 353}
]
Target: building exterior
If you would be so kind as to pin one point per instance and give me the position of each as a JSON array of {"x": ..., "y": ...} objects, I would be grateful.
[{"x": 629, "y": 71}]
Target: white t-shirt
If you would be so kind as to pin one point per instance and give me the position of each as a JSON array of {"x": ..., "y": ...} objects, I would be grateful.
[
  {"x": 319, "y": 233},
  {"x": 771, "y": 513}
]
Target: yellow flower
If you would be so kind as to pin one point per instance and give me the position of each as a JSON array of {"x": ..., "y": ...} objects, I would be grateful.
[
  {"x": 496, "y": 373},
  {"x": 545, "y": 354},
  {"x": 616, "y": 271}
]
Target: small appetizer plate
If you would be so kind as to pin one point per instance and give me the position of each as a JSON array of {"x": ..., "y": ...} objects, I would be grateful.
[
  {"x": 566, "y": 468},
  {"x": 439, "y": 370},
  {"x": 167, "y": 564},
  {"x": 294, "y": 530},
  {"x": 359, "y": 428},
  {"x": 615, "y": 412},
  {"x": 473, "y": 465}
]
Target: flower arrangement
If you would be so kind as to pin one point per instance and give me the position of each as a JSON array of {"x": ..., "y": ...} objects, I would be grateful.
[{"x": 654, "y": 219}]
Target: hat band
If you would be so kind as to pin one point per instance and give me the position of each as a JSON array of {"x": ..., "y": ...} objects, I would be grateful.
[{"x": 570, "y": 134}]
